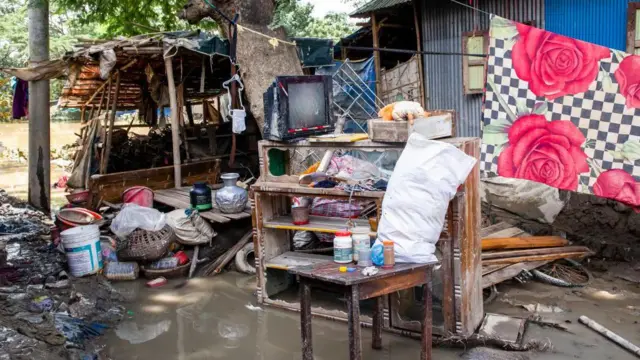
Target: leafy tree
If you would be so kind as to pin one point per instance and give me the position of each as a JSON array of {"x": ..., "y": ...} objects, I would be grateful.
[{"x": 295, "y": 17}]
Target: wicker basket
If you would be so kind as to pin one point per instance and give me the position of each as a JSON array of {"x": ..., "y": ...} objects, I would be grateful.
[
  {"x": 180, "y": 271},
  {"x": 143, "y": 245}
]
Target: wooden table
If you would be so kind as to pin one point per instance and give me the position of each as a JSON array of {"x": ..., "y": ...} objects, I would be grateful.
[{"x": 359, "y": 287}]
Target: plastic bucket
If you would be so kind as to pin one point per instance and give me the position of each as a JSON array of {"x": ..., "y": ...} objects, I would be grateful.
[
  {"x": 140, "y": 195},
  {"x": 82, "y": 247}
]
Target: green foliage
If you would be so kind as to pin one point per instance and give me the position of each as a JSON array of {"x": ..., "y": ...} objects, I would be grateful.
[
  {"x": 295, "y": 17},
  {"x": 132, "y": 17}
]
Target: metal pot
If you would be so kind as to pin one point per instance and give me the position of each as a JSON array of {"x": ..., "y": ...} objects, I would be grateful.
[{"x": 231, "y": 199}]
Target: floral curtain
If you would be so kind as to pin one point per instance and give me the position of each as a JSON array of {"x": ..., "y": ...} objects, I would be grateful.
[{"x": 562, "y": 112}]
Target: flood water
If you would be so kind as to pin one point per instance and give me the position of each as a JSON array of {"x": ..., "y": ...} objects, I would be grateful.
[
  {"x": 218, "y": 318},
  {"x": 14, "y": 174}
]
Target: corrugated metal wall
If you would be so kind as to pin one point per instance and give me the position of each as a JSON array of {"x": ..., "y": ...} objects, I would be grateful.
[
  {"x": 602, "y": 22},
  {"x": 443, "y": 23}
]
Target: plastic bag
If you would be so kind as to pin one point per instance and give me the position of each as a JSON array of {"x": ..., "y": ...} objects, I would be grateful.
[
  {"x": 134, "y": 216},
  {"x": 423, "y": 183},
  {"x": 190, "y": 228},
  {"x": 238, "y": 124},
  {"x": 377, "y": 254}
]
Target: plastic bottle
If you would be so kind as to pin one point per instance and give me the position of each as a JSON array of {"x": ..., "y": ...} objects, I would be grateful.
[
  {"x": 389, "y": 255},
  {"x": 361, "y": 240},
  {"x": 343, "y": 247}
]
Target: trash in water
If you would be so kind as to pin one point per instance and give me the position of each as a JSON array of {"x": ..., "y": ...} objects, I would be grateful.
[
  {"x": 76, "y": 331},
  {"x": 232, "y": 332},
  {"x": 41, "y": 304},
  {"x": 253, "y": 308},
  {"x": 539, "y": 308},
  {"x": 129, "y": 331}
]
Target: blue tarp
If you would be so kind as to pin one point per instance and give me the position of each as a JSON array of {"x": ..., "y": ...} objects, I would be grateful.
[{"x": 346, "y": 88}]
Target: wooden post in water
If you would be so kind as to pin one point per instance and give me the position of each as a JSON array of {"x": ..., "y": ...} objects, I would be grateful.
[
  {"x": 39, "y": 126},
  {"x": 175, "y": 127}
]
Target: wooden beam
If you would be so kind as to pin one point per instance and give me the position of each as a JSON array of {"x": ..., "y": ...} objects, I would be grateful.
[
  {"x": 549, "y": 257},
  {"x": 421, "y": 75},
  {"x": 509, "y": 272},
  {"x": 529, "y": 242},
  {"x": 175, "y": 126},
  {"x": 112, "y": 119},
  {"x": 533, "y": 252},
  {"x": 375, "y": 28}
]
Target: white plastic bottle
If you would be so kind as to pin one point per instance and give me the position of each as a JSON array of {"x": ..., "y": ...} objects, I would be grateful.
[{"x": 343, "y": 247}]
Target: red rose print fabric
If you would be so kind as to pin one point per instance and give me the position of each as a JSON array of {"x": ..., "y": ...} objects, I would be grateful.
[{"x": 562, "y": 112}]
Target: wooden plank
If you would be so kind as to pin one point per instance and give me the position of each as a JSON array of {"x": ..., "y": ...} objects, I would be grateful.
[
  {"x": 510, "y": 272},
  {"x": 294, "y": 188},
  {"x": 485, "y": 232},
  {"x": 488, "y": 269},
  {"x": 507, "y": 233},
  {"x": 529, "y": 242},
  {"x": 550, "y": 257},
  {"x": 375, "y": 288},
  {"x": 316, "y": 223},
  {"x": 292, "y": 259},
  {"x": 488, "y": 255}
]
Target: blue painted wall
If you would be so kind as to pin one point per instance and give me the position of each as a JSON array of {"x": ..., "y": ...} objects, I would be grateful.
[{"x": 602, "y": 22}]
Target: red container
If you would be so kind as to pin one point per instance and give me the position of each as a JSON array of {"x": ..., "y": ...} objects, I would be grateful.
[
  {"x": 182, "y": 257},
  {"x": 69, "y": 218},
  {"x": 140, "y": 195},
  {"x": 78, "y": 197}
]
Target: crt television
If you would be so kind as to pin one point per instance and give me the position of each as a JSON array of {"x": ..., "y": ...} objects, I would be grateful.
[{"x": 298, "y": 106}]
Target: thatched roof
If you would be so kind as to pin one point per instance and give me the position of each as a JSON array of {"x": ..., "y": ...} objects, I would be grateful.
[{"x": 141, "y": 58}]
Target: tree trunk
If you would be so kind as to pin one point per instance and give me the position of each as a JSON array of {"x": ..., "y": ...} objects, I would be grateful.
[{"x": 259, "y": 61}]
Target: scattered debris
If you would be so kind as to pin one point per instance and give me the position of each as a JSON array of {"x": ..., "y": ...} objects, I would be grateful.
[
  {"x": 370, "y": 271},
  {"x": 253, "y": 308},
  {"x": 130, "y": 331},
  {"x": 540, "y": 308},
  {"x": 485, "y": 353}
]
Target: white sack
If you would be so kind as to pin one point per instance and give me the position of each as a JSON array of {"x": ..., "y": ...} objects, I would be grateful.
[
  {"x": 133, "y": 216},
  {"x": 190, "y": 229},
  {"x": 423, "y": 183}
]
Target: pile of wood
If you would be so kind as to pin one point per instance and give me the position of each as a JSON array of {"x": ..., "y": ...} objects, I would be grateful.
[{"x": 508, "y": 250}]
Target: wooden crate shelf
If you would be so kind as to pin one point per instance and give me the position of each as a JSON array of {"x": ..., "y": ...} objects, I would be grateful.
[{"x": 316, "y": 223}]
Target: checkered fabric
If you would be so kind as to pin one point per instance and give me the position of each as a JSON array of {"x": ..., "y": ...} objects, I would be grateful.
[{"x": 601, "y": 116}]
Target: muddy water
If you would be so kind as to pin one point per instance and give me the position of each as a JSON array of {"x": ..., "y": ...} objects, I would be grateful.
[
  {"x": 216, "y": 318},
  {"x": 14, "y": 174}
]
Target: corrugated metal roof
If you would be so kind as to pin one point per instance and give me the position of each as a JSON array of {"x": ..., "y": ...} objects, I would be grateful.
[
  {"x": 377, "y": 5},
  {"x": 443, "y": 24}
]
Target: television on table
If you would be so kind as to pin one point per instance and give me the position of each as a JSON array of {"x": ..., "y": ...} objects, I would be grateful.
[{"x": 298, "y": 106}]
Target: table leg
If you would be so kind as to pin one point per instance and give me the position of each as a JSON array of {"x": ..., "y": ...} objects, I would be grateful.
[
  {"x": 353, "y": 308},
  {"x": 377, "y": 323},
  {"x": 305, "y": 320},
  {"x": 427, "y": 321}
]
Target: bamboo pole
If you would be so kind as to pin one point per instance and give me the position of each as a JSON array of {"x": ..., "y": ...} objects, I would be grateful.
[
  {"x": 375, "y": 28},
  {"x": 112, "y": 119},
  {"x": 610, "y": 335},
  {"x": 416, "y": 23},
  {"x": 175, "y": 127}
]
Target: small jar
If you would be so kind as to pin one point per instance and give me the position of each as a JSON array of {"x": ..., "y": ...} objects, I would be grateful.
[
  {"x": 343, "y": 247},
  {"x": 200, "y": 196},
  {"x": 361, "y": 240},
  {"x": 389, "y": 256}
]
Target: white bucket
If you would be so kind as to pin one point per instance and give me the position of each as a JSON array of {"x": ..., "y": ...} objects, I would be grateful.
[{"x": 82, "y": 246}]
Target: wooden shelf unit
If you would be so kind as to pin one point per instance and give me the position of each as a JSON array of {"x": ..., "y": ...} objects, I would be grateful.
[{"x": 459, "y": 244}]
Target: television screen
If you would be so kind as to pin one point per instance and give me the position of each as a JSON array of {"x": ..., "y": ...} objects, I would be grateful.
[{"x": 307, "y": 104}]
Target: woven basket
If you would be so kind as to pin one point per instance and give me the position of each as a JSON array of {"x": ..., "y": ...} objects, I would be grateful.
[
  {"x": 180, "y": 271},
  {"x": 143, "y": 245}
]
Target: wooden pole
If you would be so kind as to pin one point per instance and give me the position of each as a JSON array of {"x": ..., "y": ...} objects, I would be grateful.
[
  {"x": 175, "y": 127},
  {"x": 39, "y": 122},
  {"x": 610, "y": 335},
  {"x": 112, "y": 119},
  {"x": 376, "y": 54},
  {"x": 416, "y": 22}
]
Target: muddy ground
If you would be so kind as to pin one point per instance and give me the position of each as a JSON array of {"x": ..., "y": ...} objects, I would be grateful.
[{"x": 217, "y": 318}]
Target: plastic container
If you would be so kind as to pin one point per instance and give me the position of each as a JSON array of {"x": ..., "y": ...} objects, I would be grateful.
[
  {"x": 72, "y": 217},
  {"x": 364, "y": 257},
  {"x": 122, "y": 270},
  {"x": 389, "y": 255},
  {"x": 360, "y": 236},
  {"x": 82, "y": 247},
  {"x": 140, "y": 195},
  {"x": 165, "y": 263},
  {"x": 200, "y": 196},
  {"x": 343, "y": 247}
]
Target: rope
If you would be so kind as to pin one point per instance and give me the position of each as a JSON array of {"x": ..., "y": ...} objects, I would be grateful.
[
  {"x": 468, "y": 6},
  {"x": 272, "y": 40}
]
